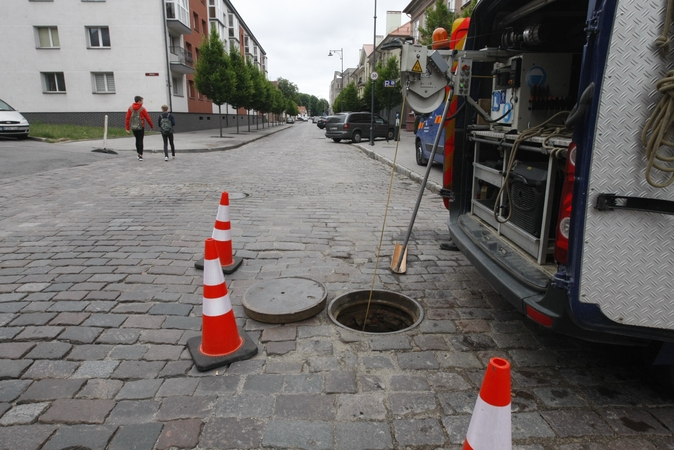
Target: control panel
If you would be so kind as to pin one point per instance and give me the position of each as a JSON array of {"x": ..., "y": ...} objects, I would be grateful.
[{"x": 464, "y": 72}]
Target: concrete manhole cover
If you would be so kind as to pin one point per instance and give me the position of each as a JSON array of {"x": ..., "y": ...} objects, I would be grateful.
[
  {"x": 284, "y": 300},
  {"x": 238, "y": 195}
]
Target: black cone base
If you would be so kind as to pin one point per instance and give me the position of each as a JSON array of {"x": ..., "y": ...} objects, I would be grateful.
[
  {"x": 199, "y": 264},
  {"x": 204, "y": 362}
]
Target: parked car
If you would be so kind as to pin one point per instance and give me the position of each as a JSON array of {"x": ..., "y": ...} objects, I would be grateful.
[
  {"x": 12, "y": 123},
  {"x": 320, "y": 123},
  {"x": 355, "y": 126},
  {"x": 290, "y": 119}
]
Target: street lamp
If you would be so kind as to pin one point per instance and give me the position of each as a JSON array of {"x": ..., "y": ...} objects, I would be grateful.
[{"x": 341, "y": 74}]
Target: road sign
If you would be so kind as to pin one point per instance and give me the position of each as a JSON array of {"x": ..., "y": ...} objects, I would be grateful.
[
  {"x": 374, "y": 76},
  {"x": 389, "y": 83}
]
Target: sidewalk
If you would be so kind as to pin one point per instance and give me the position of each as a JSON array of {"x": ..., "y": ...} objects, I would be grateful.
[{"x": 190, "y": 141}]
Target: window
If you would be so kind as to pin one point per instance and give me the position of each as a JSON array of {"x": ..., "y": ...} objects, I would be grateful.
[
  {"x": 196, "y": 21},
  {"x": 191, "y": 88},
  {"x": 53, "y": 82},
  {"x": 47, "y": 37},
  {"x": 204, "y": 28},
  {"x": 104, "y": 83},
  {"x": 177, "y": 86},
  {"x": 99, "y": 37}
]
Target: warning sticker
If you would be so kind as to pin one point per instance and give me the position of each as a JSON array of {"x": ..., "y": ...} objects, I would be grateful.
[{"x": 417, "y": 67}]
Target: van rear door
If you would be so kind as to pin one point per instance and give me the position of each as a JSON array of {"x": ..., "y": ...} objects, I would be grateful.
[{"x": 621, "y": 261}]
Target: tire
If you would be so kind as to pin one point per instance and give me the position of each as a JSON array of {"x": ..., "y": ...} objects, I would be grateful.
[
  {"x": 337, "y": 139},
  {"x": 420, "y": 154},
  {"x": 356, "y": 137},
  {"x": 390, "y": 135}
]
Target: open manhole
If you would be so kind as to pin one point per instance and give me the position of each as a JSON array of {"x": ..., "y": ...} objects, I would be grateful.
[{"x": 389, "y": 312}]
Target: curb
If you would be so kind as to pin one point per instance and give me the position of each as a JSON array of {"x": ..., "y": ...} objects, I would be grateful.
[{"x": 430, "y": 184}]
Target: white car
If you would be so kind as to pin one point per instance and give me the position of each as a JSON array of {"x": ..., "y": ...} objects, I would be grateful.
[{"x": 12, "y": 123}]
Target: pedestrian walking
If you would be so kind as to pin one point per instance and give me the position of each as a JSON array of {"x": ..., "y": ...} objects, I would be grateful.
[
  {"x": 166, "y": 124},
  {"x": 136, "y": 116}
]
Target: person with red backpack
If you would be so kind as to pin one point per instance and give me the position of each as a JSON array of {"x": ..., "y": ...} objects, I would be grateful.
[{"x": 136, "y": 116}]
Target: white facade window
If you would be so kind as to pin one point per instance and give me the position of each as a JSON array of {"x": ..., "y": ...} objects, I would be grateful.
[
  {"x": 47, "y": 37},
  {"x": 53, "y": 82},
  {"x": 104, "y": 82},
  {"x": 177, "y": 86},
  {"x": 98, "y": 37}
]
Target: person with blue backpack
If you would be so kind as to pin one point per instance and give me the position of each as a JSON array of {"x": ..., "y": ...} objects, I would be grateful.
[{"x": 166, "y": 124}]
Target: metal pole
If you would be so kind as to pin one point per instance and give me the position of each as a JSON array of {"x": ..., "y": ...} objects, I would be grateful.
[
  {"x": 168, "y": 64},
  {"x": 341, "y": 57},
  {"x": 374, "y": 68},
  {"x": 423, "y": 184}
]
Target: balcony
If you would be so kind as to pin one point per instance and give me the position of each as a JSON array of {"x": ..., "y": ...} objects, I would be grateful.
[
  {"x": 178, "y": 17},
  {"x": 181, "y": 60}
]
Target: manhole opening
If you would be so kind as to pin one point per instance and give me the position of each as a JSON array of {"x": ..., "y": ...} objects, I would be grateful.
[{"x": 389, "y": 312}]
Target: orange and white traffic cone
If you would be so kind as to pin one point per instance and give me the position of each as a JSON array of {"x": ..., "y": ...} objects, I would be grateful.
[
  {"x": 221, "y": 341},
  {"x": 490, "y": 427},
  {"x": 222, "y": 233}
]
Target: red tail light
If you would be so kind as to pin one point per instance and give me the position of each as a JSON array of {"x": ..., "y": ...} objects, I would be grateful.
[
  {"x": 346, "y": 126},
  {"x": 564, "y": 221}
]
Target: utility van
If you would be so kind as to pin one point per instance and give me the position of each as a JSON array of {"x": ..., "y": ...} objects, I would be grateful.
[{"x": 559, "y": 161}]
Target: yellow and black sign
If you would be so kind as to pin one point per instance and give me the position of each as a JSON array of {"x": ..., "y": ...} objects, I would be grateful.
[{"x": 417, "y": 67}]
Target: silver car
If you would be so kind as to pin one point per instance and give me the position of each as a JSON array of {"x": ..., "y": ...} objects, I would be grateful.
[{"x": 12, "y": 123}]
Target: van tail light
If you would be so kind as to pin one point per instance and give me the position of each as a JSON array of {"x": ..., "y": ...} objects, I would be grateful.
[
  {"x": 345, "y": 126},
  {"x": 539, "y": 317},
  {"x": 564, "y": 221}
]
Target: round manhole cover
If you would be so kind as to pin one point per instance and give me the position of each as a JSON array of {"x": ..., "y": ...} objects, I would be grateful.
[
  {"x": 383, "y": 312},
  {"x": 238, "y": 195},
  {"x": 284, "y": 300}
]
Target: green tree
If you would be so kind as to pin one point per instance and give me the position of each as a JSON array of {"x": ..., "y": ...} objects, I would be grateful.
[
  {"x": 468, "y": 10},
  {"x": 322, "y": 106},
  {"x": 350, "y": 100},
  {"x": 213, "y": 75},
  {"x": 258, "y": 94},
  {"x": 366, "y": 100},
  {"x": 241, "y": 96},
  {"x": 390, "y": 96},
  {"x": 437, "y": 16},
  {"x": 288, "y": 88},
  {"x": 279, "y": 102},
  {"x": 291, "y": 107}
]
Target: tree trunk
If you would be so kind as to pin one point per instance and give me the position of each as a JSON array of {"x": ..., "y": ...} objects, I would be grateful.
[{"x": 220, "y": 116}]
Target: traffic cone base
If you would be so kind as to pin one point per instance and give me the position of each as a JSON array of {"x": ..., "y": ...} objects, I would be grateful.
[
  {"x": 199, "y": 264},
  {"x": 221, "y": 343},
  {"x": 203, "y": 362}
]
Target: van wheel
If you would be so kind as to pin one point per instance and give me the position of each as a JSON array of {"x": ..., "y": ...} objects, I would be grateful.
[
  {"x": 420, "y": 154},
  {"x": 336, "y": 139},
  {"x": 356, "y": 137}
]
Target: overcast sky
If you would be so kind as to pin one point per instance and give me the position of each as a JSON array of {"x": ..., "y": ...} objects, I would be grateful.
[{"x": 298, "y": 34}]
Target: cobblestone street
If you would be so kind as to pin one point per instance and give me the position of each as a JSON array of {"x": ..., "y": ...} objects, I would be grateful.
[{"x": 99, "y": 295}]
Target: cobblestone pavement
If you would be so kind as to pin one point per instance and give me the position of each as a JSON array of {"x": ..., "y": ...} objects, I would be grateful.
[{"x": 98, "y": 295}]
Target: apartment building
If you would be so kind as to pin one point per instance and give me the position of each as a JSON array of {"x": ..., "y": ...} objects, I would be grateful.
[{"x": 75, "y": 61}]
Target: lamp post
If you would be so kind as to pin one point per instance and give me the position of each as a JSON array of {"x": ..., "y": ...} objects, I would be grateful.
[
  {"x": 374, "y": 68},
  {"x": 341, "y": 74}
]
